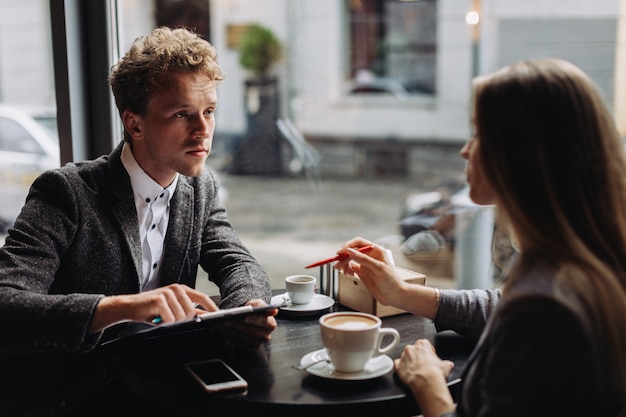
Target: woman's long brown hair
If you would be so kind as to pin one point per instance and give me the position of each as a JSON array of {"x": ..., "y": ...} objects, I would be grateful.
[{"x": 553, "y": 156}]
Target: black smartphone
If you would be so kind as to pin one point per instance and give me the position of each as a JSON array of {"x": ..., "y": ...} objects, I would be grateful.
[{"x": 215, "y": 375}]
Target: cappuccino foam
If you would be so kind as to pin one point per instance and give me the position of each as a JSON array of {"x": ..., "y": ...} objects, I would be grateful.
[{"x": 350, "y": 322}]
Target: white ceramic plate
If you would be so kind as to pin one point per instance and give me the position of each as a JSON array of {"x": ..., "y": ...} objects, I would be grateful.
[
  {"x": 318, "y": 303},
  {"x": 376, "y": 367}
]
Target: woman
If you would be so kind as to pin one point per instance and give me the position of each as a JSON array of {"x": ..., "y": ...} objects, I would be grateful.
[{"x": 547, "y": 153}]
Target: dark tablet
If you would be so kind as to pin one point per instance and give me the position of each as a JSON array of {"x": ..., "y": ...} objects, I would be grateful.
[{"x": 136, "y": 330}]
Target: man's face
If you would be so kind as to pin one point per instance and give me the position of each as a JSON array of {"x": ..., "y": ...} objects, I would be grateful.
[{"x": 176, "y": 133}]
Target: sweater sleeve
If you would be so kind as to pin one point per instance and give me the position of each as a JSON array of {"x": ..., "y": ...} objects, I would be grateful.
[{"x": 466, "y": 311}]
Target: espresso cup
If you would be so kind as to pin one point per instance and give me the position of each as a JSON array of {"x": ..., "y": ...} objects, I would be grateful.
[
  {"x": 300, "y": 288},
  {"x": 351, "y": 339}
]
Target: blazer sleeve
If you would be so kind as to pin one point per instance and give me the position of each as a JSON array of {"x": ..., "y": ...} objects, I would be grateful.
[
  {"x": 229, "y": 263},
  {"x": 34, "y": 318}
]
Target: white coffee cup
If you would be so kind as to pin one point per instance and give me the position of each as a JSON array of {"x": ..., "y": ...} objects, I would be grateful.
[
  {"x": 300, "y": 288},
  {"x": 352, "y": 338}
]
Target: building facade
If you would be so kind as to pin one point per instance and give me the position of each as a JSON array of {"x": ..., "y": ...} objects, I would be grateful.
[{"x": 425, "y": 48}]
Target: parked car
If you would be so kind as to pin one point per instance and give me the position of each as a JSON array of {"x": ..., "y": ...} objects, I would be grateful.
[
  {"x": 376, "y": 86},
  {"x": 366, "y": 82},
  {"x": 29, "y": 145}
]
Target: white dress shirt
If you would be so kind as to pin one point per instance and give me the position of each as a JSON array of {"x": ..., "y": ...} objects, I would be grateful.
[{"x": 153, "y": 212}]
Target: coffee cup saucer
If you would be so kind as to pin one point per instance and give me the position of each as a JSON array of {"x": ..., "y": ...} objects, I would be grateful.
[
  {"x": 318, "y": 303},
  {"x": 376, "y": 367}
]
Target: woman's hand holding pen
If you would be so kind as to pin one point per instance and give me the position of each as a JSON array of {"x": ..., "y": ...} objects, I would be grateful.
[
  {"x": 343, "y": 263},
  {"x": 379, "y": 276},
  {"x": 373, "y": 268}
]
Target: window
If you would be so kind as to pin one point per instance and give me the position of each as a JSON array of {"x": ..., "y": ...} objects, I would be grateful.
[
  {"x": 192, "y": 14},
  {"x": 392, "y": 153},
  {"x": 392, "y": 46},
  {"x": 15, "y": 138}
]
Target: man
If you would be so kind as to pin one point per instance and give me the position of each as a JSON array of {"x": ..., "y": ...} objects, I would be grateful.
[{"x": 120, "y": 238}]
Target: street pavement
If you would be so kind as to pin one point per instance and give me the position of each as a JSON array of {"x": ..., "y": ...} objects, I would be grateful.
[{"x": 290, "y": 222}]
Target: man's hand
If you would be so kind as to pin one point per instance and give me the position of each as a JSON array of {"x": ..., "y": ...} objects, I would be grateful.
[
  {"x": 253, "y": 329},
  {"x": 172, "y": 303}
]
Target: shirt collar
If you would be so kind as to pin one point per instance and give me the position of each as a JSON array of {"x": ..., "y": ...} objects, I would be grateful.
[{"x": 144, "y": 187}]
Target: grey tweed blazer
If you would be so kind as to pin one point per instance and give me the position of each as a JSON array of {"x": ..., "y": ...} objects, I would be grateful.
[{"x": 77, "y": 240}]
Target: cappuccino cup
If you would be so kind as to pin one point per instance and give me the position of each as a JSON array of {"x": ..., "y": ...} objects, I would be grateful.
[
  {"x": 300, "y": 288},
  {"x": 351, "y": 339}
]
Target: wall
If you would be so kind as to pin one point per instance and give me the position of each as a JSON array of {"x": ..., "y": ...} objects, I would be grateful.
[
  {"x": 583, "y": 32},
  {"x": 354, "y": 134},
  {"x": 319, "y": 110},
  {"x": 314, "y": 67},
  {"x": 230, "y": 115},
  {"x": 26, "y": 75}
]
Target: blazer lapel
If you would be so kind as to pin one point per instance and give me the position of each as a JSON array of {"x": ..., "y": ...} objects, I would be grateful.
[
  {"x": 124, "y": 211},
  {"x": 178, "y": 233}
]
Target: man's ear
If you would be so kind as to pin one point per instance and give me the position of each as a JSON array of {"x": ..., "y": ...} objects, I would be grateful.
[{"x": 133, "y": 124}]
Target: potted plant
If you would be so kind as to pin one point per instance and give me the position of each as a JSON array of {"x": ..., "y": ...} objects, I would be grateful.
[
  {"x": 259, "y": 50},
  {"x": 260, "y": 151}
]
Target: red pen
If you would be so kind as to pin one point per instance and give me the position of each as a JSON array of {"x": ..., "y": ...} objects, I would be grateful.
[{"x": 341, "y": 256}]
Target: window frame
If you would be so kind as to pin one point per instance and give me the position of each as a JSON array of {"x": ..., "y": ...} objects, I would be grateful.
[
  {"x": 85, "y": 45},
  {"x": 372, "y": 48}
]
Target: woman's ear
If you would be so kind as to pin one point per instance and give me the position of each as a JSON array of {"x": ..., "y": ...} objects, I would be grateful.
[{"x": 133, "y": 124}]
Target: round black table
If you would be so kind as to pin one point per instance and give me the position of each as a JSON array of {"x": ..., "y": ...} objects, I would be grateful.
[{"x": 153, "y": 369}]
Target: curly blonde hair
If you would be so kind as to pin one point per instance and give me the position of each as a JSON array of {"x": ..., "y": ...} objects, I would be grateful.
[{"x": 136, "y": 77}]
